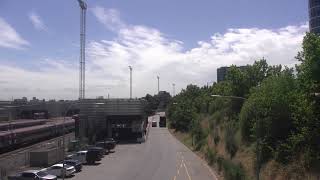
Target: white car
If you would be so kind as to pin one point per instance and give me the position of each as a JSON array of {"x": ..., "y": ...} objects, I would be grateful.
[
  {"x": 57, "y": 170},
  {"x": 79, "y": 156}
]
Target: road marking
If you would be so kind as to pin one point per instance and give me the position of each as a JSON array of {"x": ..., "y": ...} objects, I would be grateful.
[
  {"x": 210, "y": 170},
  {"x": 186, "y": 170}
]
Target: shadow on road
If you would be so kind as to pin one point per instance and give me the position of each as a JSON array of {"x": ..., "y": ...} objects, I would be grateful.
[
  {"x": 128, "y": 142},
  {"x": 94, "y": 164}
]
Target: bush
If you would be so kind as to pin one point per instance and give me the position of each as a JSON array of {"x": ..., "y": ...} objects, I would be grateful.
[
  {"x": 199, "y": 135},
  {"x": 216, "y": 138},
  {"x": 210, "y": 156},
  {"x": 218, "y": 116},
  {"x": 231, "y": 171},
  {"x": 284, "y": 153},
  {"x": 231, "y": 145}
]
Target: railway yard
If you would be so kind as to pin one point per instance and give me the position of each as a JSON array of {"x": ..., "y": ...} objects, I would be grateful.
[{"x": 21, "y": 133}]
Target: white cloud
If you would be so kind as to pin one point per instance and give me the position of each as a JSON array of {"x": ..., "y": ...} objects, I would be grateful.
[
  {"x": 151, "y": 53},
  {"x": 108, "y": 17},
  {"x": 37, "y": 21},
  {"x": 9, "y": 38}
]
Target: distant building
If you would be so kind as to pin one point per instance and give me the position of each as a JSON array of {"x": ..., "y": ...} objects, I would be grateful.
[
  {"x": 164, "y": 99},
  {"x": 222, "y": 72},
  {"x": 314, "y": 16}
]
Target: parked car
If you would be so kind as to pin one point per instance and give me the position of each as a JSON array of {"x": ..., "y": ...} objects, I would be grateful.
[
  {"x": 32, "y": 175},
  {"x": 58, "y": 170},
  {"x": 75, "y": 163},
  {"x": 80, "y": 156},
  {"x": 111, "y": 143},
  {"x": 108, "y": 144},
  {"x": 92, "y": 156},
  {"x": 101, "y": 150}
]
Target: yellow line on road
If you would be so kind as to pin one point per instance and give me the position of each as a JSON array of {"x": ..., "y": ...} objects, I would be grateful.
[{"x": 186, "y": 170}]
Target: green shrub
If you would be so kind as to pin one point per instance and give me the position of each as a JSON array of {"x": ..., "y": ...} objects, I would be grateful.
[
  {"x": 210, "y": 156},
  {"x": 233, "y": 171},
  {"x": 284, "y": 153},
  {"x": 218, "y": 116},
  {"x": 216, "y": 138},
  {"x": 231, "y": 145},
  {"x": 220, "y": 163},
  {"x": 199, "y": 135}
]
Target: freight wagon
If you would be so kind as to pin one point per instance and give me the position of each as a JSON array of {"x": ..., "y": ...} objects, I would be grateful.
[{"x": 16, "y": 138}]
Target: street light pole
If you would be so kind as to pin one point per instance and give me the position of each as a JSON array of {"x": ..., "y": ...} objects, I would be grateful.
[
  {"x": 130, "y": 82},
  {"x": 173, "y": 89},
  {"x": 158, "y": 84}
]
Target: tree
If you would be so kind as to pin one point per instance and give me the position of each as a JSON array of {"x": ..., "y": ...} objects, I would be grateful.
[
  {"x": 267, "y": 114},
  {"x": 306, "y": 138}
]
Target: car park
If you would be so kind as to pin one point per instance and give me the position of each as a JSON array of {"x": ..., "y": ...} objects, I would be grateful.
[
  {"x": 60, "y": 170},
  {"x": 32, "y": 175}
]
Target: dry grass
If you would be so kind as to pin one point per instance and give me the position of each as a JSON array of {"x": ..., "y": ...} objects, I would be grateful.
[{"x": 246, "y": 156}]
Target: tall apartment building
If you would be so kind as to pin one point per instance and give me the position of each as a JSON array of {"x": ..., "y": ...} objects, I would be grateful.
[
  {"x": 222, "y": 72},
  {"x": 314, "y": 16}
]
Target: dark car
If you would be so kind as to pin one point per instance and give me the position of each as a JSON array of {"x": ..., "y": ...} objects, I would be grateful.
[
  {"x": 92, "y": 156},
  {"x": 100, "y": 150},
  {"x": 111, "y": 143},
  {"x": 72, "y": 162},
  {"x": 108, "y": 144}
]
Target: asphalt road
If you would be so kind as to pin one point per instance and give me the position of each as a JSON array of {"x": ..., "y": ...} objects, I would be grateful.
[{"x": 161, "y": 157}]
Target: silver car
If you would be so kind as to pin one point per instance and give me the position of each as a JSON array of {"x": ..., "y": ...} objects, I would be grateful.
[
  {"x": 33, "y": 175},
  {"x": 58, "y": 170}
]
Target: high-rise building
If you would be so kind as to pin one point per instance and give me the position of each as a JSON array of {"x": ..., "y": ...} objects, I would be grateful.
[
  {"x": 314, "y": 16},
  {"x": 222, "y": 72}
]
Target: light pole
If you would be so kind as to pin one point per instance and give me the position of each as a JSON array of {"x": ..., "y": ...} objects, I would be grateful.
[
  {"x": 130, "y": 68},
  {"x": 158, "y": 84},
  {"x": 173, "y": 89}
]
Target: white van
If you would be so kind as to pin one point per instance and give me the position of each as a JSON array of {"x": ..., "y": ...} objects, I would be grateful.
[{"x": 80, "y": 156}]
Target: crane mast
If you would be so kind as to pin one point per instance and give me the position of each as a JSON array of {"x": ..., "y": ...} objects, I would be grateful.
[{"x": 82, "y": 61}]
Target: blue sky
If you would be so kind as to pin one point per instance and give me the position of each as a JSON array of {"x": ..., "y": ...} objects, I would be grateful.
[{"x": 190, "y": 39}]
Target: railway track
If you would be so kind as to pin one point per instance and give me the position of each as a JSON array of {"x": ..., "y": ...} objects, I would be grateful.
[{"x": 33, "y": 146}]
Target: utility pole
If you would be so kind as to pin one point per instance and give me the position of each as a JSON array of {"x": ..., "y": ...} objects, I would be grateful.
[
  {"x": 130, "y": 82},
  {"x": 173, "y": 89},
  {"x": 83, "y": 9},
  {"x": 158, "y": 84}
]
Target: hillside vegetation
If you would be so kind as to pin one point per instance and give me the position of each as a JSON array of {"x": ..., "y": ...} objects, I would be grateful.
[{"x": 272, "y": 131}]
